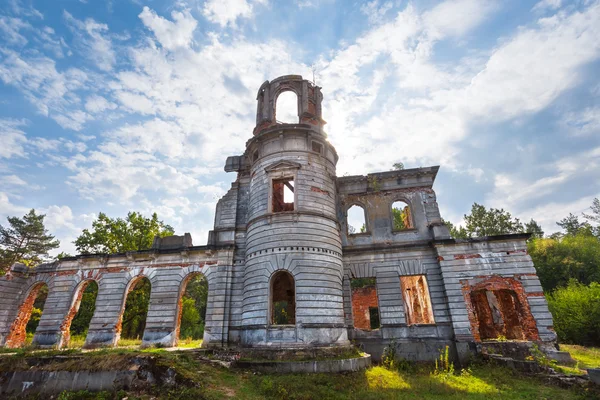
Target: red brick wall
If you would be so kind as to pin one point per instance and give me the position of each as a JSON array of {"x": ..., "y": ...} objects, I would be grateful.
[
  {"x": 362, "y": 299},
  {"x": 498, "y": 284}
]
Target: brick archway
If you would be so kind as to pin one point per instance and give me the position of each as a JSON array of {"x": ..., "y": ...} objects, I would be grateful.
[
  {"x": 65, "y": 327},
  {"x": 182, "y": 290},
  {"x": 17, "y": 334},
  {"x": 498, "y": 306}
]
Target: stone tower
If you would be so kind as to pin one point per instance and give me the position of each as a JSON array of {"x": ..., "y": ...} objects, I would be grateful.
[{"x": 293, "y": 263}]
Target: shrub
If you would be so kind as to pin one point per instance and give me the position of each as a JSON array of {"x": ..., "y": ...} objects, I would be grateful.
[{"x": 576, "y": 312}]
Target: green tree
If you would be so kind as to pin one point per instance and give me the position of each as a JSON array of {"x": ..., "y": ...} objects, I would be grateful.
[
  {"x": 484, "y": 222},
  {"x": 398, "y": 166},
  {"x": 534, "y": 228},
  {"x": 594, "y": 216},
  {"x": 25, "y": 240},
  {"x": 37, "y": 310},
  {"x": 81, "y": 321},
  {"x": 401, "y": 218},
  {"x": 457, "y": 232},
  {"x": 572, "y": 226},
  {"x": 194, "y": 308},
  {"x": 136, "y": 310},
  {"x": 118, "y": 235},
  {"x": 559, "y": 260},
  {"x": 576, "y": 313}
]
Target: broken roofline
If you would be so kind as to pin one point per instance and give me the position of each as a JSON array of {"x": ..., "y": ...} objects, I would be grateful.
[
  {"x": 395, "y": 175},
  {"x": 483, "y": 239}
]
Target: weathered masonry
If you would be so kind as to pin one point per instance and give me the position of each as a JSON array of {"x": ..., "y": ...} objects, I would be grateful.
[{"x": 285, "y": 268}]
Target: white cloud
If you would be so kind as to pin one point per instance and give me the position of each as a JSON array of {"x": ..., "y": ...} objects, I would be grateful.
[
  {"x": 457, "y": 17},
  {"x": 91, "y": 39},
  {"x": 51, "y": 91},
  {"x": 9, "y": 209},
  {"x": 545, "y": 5},
  {"x": 10, "y": 27},
  {"x": 585, "y": 122},
  {"x": 97, "y": 104},
  {"x": 171, "y": 35},
  {"x": 227, "y": 12},
  {"x": 12, "y": 180},
  {"x": 375, "y": 11},
  {"x": 12, "y": 138},
  {"x": 531, "y": 69},
  {"x": 515, "y": 192}
]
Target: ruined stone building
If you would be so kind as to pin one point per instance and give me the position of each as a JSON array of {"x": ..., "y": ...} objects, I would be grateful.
[{"x": 285, "y": 269}]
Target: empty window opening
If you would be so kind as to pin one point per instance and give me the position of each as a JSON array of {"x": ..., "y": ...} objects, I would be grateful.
[
  {"x": 283, "y": 299},
  {"x": 255, "y": 156},
  {"x": 77, "y": 322},
  {"x": 417, "y": 303},
  {"x": 356, "y": 220},
  {"x": 286, "y": 109},
  {"x": 365, "y": 305},
  {"x": 29, "y": 315},
  {"x": 497, "y": 314},
  {"x": 192, "y": 309},
  {"x": 133, "y": 320},
  {"x": 317, "y": 147},
  {"x": 401, "y": 216},
  {"x": 283, "y": 194}
]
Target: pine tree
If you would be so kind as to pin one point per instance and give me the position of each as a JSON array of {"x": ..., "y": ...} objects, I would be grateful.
[{"x": 25, "y": 240}]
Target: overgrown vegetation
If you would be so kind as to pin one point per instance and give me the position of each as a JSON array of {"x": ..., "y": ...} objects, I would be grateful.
[
  {"x": 203, "y": 380},
  {"x": 576, "y": 311},
  {"x": 194, "y": 308}
]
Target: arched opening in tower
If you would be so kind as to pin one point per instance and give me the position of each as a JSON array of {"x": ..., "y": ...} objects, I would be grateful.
[
  {"x": 401, "y": 216},
  {"x": 77, "y": 322},
  {"x": 28, "y": 318},
  {"x": 356, "y": 220},
  {"x": 283, "y": 299},
  {"x": 133, "y": 319},
  {"x": 286, "y": 109},
  {"x": 192, "y": 308}
]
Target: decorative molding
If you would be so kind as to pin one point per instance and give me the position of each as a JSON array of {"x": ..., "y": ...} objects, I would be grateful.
[
  {"x": 411, "y": 267},
  {"x": 279, "y": 165}
]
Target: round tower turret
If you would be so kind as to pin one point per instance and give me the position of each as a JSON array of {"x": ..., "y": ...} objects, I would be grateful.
[{"x": 293, "y": 268}]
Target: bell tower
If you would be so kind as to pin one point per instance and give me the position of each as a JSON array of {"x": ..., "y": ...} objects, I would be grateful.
[{"x": 292, "y": 286}]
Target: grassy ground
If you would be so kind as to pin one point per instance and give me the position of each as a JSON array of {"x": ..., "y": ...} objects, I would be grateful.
[
  {"x": 586, "y": 357},
  {"x": 208, "y": 381}
]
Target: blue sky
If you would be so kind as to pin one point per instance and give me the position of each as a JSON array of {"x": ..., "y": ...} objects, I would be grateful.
[{"x": 125, "y": 105}]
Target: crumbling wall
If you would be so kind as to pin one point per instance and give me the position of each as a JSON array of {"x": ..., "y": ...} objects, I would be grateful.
[{"x": 502, "y": 266}]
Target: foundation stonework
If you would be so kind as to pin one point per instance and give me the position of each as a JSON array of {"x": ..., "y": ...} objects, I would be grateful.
[{"x": 287, "y": 211}]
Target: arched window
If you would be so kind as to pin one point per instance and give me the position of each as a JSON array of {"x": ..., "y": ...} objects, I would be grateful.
[
  {"x": 286, "y": 109},
  {"x": 77, "y": 321},
  {"x": 28, "y": 317},
  {"x": 193, "y": 302},
  {"x": 283, "y": 299},
  {"x": 356, "y": 220},
  {"x": 401, "y": 216},
  {"x": 133, "y": 319}
]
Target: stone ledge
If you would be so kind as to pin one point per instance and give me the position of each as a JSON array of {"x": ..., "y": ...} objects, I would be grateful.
[{"x": 314, "y": 366}]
